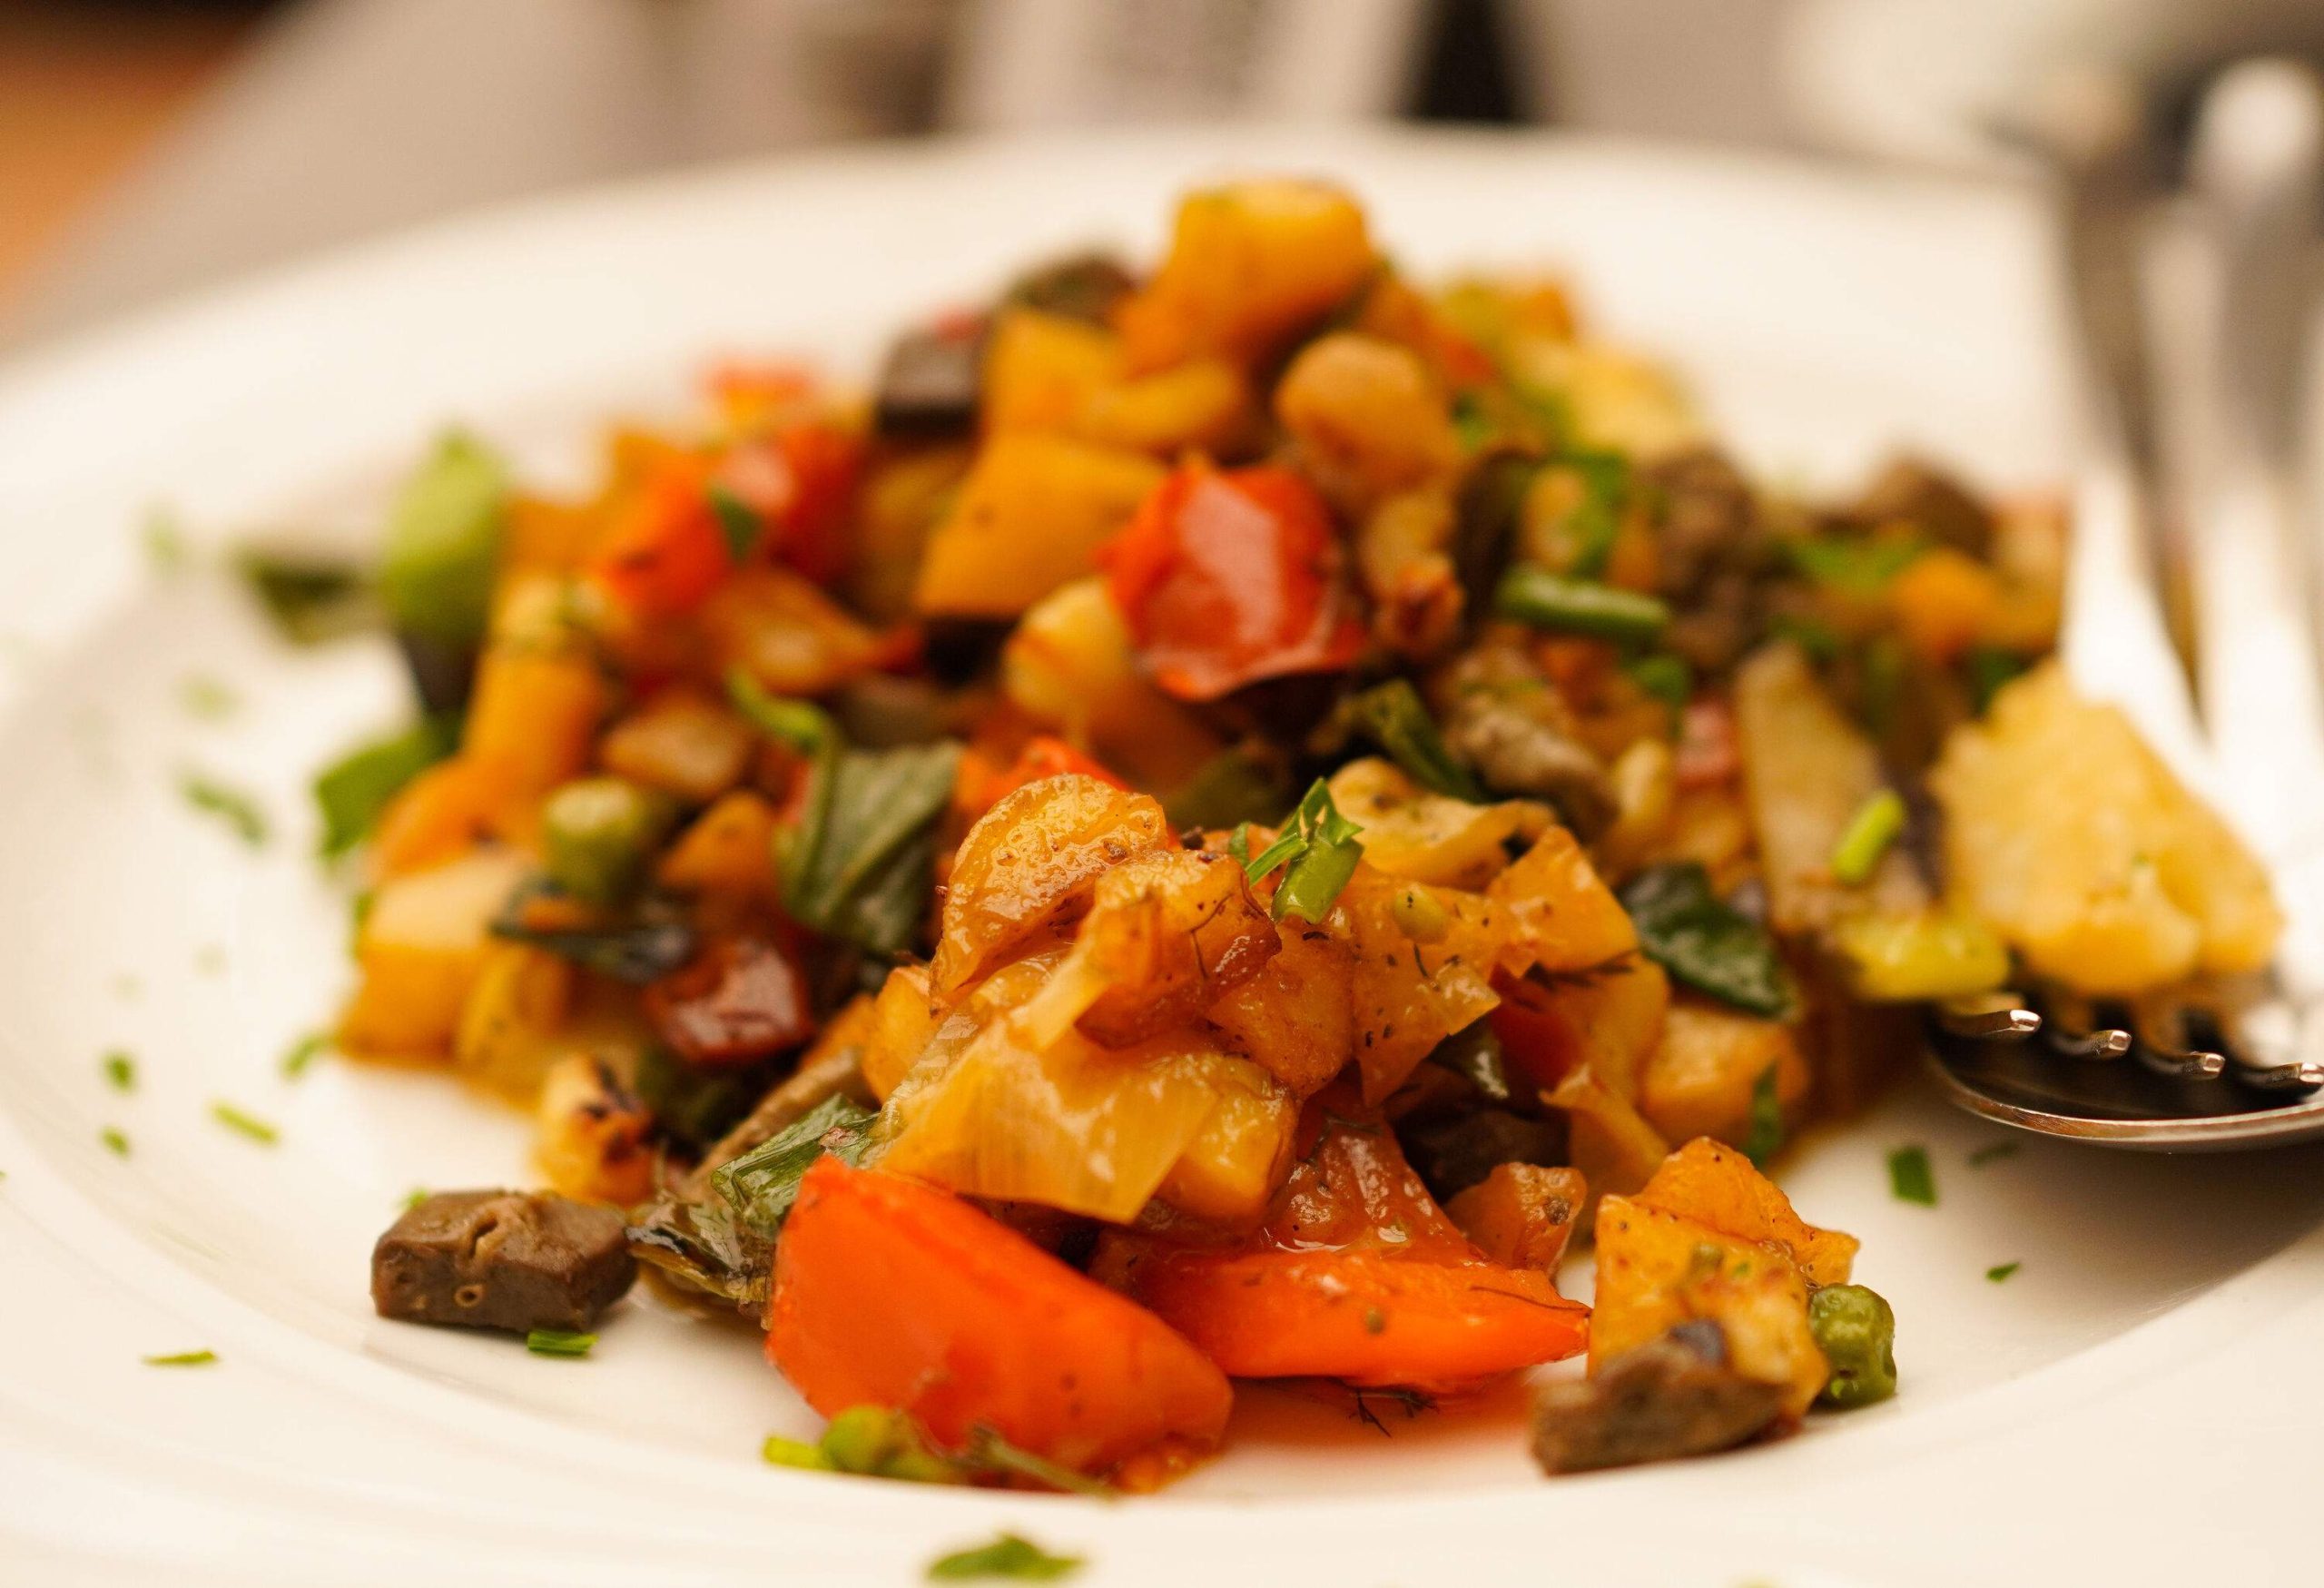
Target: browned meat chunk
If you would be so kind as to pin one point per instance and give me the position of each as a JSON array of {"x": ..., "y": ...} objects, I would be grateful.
[
  {"x": 501, "y": 1260},
  {"x": 1909, "y": 491},
  {"x": 1676, "y": 1398}
]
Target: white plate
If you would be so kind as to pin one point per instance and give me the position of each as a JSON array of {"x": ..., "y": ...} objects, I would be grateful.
[{"x": 2121, "y": 1407}]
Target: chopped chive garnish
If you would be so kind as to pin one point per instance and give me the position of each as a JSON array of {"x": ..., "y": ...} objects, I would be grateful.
[
  {"x": 182, "y": 1359},
  {"x": 1992, "y": 1153},
  {"x": 116, "y": 1141},
  {"x": 304, "y": 1052},
  {"x": 415, "y": 1197},
  {"x": 2001, "y": 1271},
  {"x": 1006, "y": 1556},
  {"x": 249, "y": 1125},
  {"x": 1318, "y": 854},
  {"x": 121, "y": 1072},
  {"x": 1394, "y": 718},
  {"x": 1542, "y": 599},
  {"x": 738, "y": 522},
  {"x": 1766, "y": 1137},
  {"x": 558, "y": 1343},
  {"x": 206, "y": 697},
  {"x": 1868, "y": 835},
  {"x": 806, "y": 727},
  {"x": 777, "y": 1451},
  {"x": 229, "y": 806},
  {"x": 1911, "y": 1177},
  {"x": 163, "y": 540}
]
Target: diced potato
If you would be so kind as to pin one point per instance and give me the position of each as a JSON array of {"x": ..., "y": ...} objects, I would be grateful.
[
  {"x": 534, "y": 715},
  {"x": 727, "y": 850},
  {"x": 1368, "y": 418},
  {"x": 1807, "y": 771},
  {"x": 1041, "y": 370},
  {"x": 1943, "y": 602},
  {"x": 1296, "y": 1019},
  {"x": 1069, "y": 665},
  {"x": 1566, "y": 918},
  {"x": 1937, "y": 952},
  {"x": 1249, "y": 266},
  {"x": 1424, "y": 837},
  {"x": 682, "y": 743},
  {"x": 1614, "y": 1148},
  {"x": 422, "y": 948},
  {"x": 2066, "y": 834},
  {"x": 1169, "y": 930},
  {"x": 785, "y": 633},
  {"x": 1615, "y": 399},
  {"x": 441, "y": 815},
  {"x": 1229, "y": 1171},
  {"x": 1607, "y": 1020},
  {"x": 903, "y": 1018},
  {"x": 541, "y": 536},
  {"x": 1521, "y": 1215},
  {"x": 1704, "y": 1075},
  {"x": 1717, "y": 1186},
  {"x": 1646, "y": 797},
  {"x": 1411, "y": 995},
  {"x": 592, "y": 1142},
  {"x": 1029, "y": 516},
  {"x": 511, "y": 1021},
  {"x": 1032, "y": 857},
  {"x": 903, "y": 497},
  {"x": 1204, "y": 406},
  {"x": 1657, "y": 1270}
]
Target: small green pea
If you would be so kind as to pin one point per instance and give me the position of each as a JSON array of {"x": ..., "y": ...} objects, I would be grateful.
[
  {"x": 1857, "y": 1330},
  {"x": 600, "y": 831},
  {"x": 880, "y": 1442}
]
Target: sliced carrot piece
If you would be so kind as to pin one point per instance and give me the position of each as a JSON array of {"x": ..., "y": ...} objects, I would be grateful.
[{"x": 888, "y": 1292}]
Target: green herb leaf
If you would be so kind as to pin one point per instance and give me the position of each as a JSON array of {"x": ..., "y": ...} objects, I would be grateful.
[
  {"x": 443, "y": 542},
  {"x": 741, "y": 525},
  {"x": 643, "y": 946},
  {"x": 1704, "y": 942},
  {"x": 1230, "y": 787},
  {"x": 1538, "y": 597},
  {"x": 1238, "y": 845},
  {"x": 245, "y": 1124},
  {"x": 2001, "y": 1271},
  {"x": 1860, "y": 565},
  {"x": 1006, "y": 1556},
  {"x": 207, "y": 698},
  {"x": 1766, "y": 1134},
  {"x": 1910, "y": 1177},
  {"x": 121, "y": 1071},
  {"x": 1866, "y": 837},
  {"x": 309, "y": 598},
  {"x": 1988, "y": 669},
  {"x": 1392, "y": 715},
  {"x": 696, "y": 1103},
  {"x": 558, "y": 1343},
  {"x": 415, "y": 1197},
  {"x": 354, "y": 791},
  {"x": 860, "y": 863},
  {"x": 238, "y": 810},
  {"x": 759, "y": 1187},
  {"x": 182, "y": 1360},
  {"x": 1666, "y": 677},
  {"x": 988, "y": 1452},
  {"x": 1597, "y": 522},
  {"x": 115, "y": 1141},
  {"x": 1992, "y": 1152},
  {"x": 302, "y": 1053}
]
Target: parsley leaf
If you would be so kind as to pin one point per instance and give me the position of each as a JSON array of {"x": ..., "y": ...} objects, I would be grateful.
[{"x": 1007, "y": 1555}]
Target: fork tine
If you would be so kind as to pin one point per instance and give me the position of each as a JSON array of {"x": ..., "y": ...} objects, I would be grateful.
[
  {"x": 2073, "y": 1027},
  {"x": 2264, "y": 1043},
  {"x": 1998, "y": 1016}
]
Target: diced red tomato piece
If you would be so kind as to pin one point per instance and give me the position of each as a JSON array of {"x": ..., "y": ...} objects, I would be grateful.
[{"x": 1227, "y": 577}]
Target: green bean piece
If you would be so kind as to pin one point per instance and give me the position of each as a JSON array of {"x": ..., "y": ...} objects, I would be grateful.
[
  {"x": 1856, "y": 1331},
  {"x": 1866, "y": 837},
  {"x": 1542, "y": 599},
  {"x": 599, "y": 833}
]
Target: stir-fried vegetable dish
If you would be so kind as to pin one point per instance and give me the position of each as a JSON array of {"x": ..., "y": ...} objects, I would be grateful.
[{"x": 1212, "y": 826}]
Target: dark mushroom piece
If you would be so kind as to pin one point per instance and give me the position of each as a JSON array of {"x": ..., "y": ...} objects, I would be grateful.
[
  {"x": 1517, "y": 753},
  {"x": 1675, "y": 1397},
  {"x": 1911, "y": 491},
  {"x": 929, "y": 382},
  {"x": 501, "y": 1260}
]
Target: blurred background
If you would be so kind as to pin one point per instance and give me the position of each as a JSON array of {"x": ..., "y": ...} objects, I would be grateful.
[{"x": 149, "y": 147}]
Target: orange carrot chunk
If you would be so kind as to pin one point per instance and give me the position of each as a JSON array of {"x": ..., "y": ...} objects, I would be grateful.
[{"x": 890, "y": 1292}]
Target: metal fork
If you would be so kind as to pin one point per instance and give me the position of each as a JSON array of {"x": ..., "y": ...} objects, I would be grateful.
[{"x": 2244, "y": 1069}]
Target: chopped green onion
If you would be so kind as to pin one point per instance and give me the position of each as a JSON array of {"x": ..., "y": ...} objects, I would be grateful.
[
  {"x": 1238, "y": 845},
  {"x": 558, "y": 1343},
  {"x": 777, "y": 1451},
  {"x": 1868, "y": 835},
  {"x": 443, "y": 542},
  {"x": 1007, "y": 1555},
  {"x": 1910, "y": 1177},
  {"x": 1318, "y": 854},
  {"x": 121, "y": 1071},
  {"x": 1394, "y": 718},
  {"x": 1992, "y": 1153},
  {"x": 164, "y": 539},
  {"x": 1542, "y": 599},
  {"x": 182, "y": 1360},
  {"x": 2001, "y": 1271},
  {"x": 304, "y": 1052},
  {"x": 308, "y": 599},
  {"x": 1766, "y": 1137},
  {"x": 738, "y": 522},
  {"x": 249, "y": 1125},
  {"x": 238, "y": 810},
  {"x": 1858, "y": 564},
  {"x": 353, "y": 792},
  {"x": 115, "y": 1141},
  {"x": 415, "y": 1197},
  {"x": 804, "y": 727},
  {"x": 1666, "y": 677}
]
